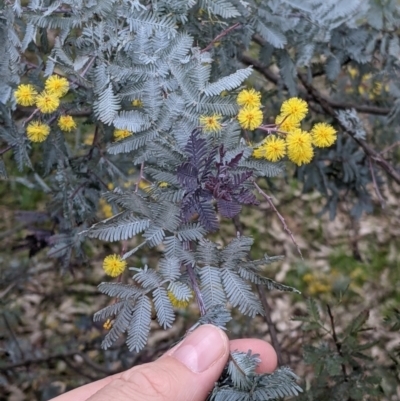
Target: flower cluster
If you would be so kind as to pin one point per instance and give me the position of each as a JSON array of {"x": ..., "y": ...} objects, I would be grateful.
[
  {"x": 250, "y": 116},
  {"x": 113, "y": 265},
  {"x": 48, "y": 101},
  {"x": 290, "y": 139}
]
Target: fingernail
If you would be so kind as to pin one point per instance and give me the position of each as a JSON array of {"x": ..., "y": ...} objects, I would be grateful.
[{"x": 201, "y": 349}]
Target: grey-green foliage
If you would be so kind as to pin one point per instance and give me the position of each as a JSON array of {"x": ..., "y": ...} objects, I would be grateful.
[
  {"x": 240, "y": 382},
  {"x": 133, "y": 50},
  {"x": 116, "y": 52},
  {"x": 343, "y": 366}
]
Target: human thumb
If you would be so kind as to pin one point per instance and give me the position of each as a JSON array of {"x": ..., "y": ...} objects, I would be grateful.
[{"x": 185, "y": 373}]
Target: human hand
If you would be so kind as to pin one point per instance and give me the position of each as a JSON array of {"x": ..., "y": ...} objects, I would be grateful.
[{"x": 187, "y": 372}]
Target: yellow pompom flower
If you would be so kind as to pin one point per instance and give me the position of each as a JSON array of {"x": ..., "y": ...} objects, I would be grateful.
[
  {"x": 299, "y": 147},
  {"x": 275, "y": 148},
  {"x": 120, "y": 134},
  {"x": 249, "y": 98},
  {"x": 294, "y": 109},
  {"x": 47, "y": 103},
  {"x": 37, "y": 131},
  {"x": 286, "y": 124},
  {"x": 323, "y": 135},
  {"x": 163, "y": 184},
  {"x": 178, "y": 303},
  {"x": 66, "y": 123},
  {"x": 25, "y": 95},
  {"x": 57, "y": 86},
  {"x": 211, "y": 123},
  {"x": 137, "y": 103},
  {"x": 250, "y": 118},
  {"x": 113, "y": 265}
]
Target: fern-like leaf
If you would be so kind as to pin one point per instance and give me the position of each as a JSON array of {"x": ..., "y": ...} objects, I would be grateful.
[
  {"x": 139, "y": 327},
  {"x": 228, "y": 83},
  {"x": 107, "y": 105},
  {"x": 163, "y": 307}
]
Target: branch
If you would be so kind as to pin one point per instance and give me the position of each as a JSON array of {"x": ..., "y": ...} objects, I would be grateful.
[
  {"x": 220, "y": 36},
  {"x": 2, "y": 151},
  {"x": 378, "y": 193},
  {"x": 271, "y": 326},
  {"x": 264, "y": 302},
  {"x": 281, "y": 218},
  {"x": 391, "y": 147},
  {"x": 370, "y": 152},
  {"x": 196, "y": 289},
  {"x": 336, "y": 340},
  {"x": 140, "y": 177},
  {"x": 273, "y": 78}
]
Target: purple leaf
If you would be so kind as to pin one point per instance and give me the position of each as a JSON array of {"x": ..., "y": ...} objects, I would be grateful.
[
  {"x": 187, "y": 175},
  {"x": 228, "y": 209}
]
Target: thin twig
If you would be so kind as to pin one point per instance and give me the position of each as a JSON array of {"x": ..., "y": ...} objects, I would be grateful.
[
  {"x": 271, "y": 326},
  {"x": 336, "y": 340},
  {"x": 264, "y": 302},
  {"x": 281, "y": 218},
  {"x": 31, "y": 116},
  {"x": 220, "y": 36},
  {"x": 2, "y": 151},
  {"x": 392, "y": 146},
  {"x": 140, "y": 177},
  {"x": 90, "y": 63},
  {"x": 9, "y": 328},
  {"x": 100, "y": 180},
  {"x": 196, "y": 289},
  {"x": 378, "y": 192},
  {"x": 77, "y": 189}
]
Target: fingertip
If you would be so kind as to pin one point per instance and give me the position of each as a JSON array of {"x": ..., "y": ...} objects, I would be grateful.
[{"x": 268, "y": 356}]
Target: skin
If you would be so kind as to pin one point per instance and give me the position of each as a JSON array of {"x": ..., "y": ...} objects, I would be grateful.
[{"x": 187, "y": 372}]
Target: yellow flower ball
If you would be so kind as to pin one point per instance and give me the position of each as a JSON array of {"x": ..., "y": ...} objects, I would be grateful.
[
  {"x": 47, "y": 103},
  {"x": 250, "y": 118},
  {"x": 323, "y": 135},
  {"x": 294, "y": 109},
  {"x": 286, "y": 124},
  {"x": 66, "y": 123},
  {"x": 113, "y": 265},
  {"x": 249, "y": 98},
  {"x": 57, "y": 86},
  {"x": 120, "y": 134},
  {"x": 211, "y": 123},
  {"x": 37, "y": 131},
  {"x": 275, "y": 148},
  {"x": 25, "y": 95},
  {"x": 299, "y": 147}
]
